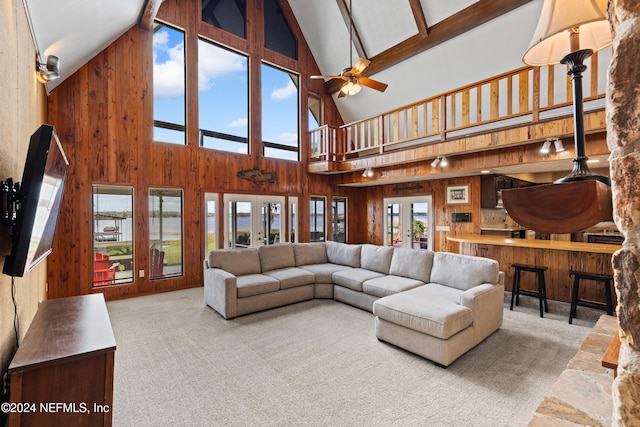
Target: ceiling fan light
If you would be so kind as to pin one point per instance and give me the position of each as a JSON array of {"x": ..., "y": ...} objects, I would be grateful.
[{"x": 350, "y": 88}]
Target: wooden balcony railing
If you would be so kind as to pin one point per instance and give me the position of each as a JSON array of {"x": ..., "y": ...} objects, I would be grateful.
[{"x": 523, "y": 96}]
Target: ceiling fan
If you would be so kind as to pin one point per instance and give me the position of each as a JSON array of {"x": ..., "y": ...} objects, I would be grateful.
[{"x": 352, "y": 76}]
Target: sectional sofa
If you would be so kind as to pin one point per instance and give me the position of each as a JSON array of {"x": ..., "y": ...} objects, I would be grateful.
[{"x": 435, "y": 304}]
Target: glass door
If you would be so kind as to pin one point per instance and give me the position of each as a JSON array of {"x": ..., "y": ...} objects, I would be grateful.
[
  {"x": 408, "y": 222},
  {"x": 253, "y": 221}
]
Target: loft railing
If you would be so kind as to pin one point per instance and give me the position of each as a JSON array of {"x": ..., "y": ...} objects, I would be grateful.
[{"x": 523, "y": 96}]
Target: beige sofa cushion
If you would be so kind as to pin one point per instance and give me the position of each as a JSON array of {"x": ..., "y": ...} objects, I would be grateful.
[
  {"x": 236, "y": 261},
  {"x": 463, "y": 271},
  {"x": 389, "y": 285},
  {"x": 291, "y": 277},
  {"x": 256, "y": 284},
  {"x": 412, "y": 263},
  {"x": 323, "y": 272},
  {"x": 310, "y": 253},
  {"x": 275, "y": 257},
  {"x": 343, "y": 254},
  {"x": 376, "y": 258},
  {"x": 435, "y": 317},
  {"x": 353, "y": 278}
]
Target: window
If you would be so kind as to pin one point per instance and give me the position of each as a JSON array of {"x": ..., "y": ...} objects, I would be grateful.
[
  {"x": 229, "y": 15},
  {"x": 315, "y": 112},
  {"x": 211, "y": 218},
  {"x": 112, "y": 235},
  {"x": 277, "y": 33},
  {"x": 316, "y": 216},
  {"x": 339, "y": 218},
  {"x": 169, "y": 118},
  {"x": 293, "y": 219},
  {"x": 223, "y": 88},
  {"x": 165, "y": 232},
  {"x": 280, "y": 113}
]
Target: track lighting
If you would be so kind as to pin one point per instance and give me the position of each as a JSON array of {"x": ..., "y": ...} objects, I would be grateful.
[
  {"x": 48, "y": 71},
  {"x": 557, "y": 144},
  {"x": 368, "y": 173},
  {"x": 440, "y": 160}
]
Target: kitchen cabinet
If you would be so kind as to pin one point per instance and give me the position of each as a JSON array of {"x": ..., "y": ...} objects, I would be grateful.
[{"x": 490, "y": 185}]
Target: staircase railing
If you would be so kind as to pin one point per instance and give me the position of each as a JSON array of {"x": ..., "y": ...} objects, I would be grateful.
[{"x": 526, "y": 95}]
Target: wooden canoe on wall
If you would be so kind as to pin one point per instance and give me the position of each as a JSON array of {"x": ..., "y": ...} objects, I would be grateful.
[{"x": 567, "y": 207}]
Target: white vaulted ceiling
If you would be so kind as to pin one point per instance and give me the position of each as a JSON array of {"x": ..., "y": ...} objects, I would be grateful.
[{"x": 76, "y": 30}]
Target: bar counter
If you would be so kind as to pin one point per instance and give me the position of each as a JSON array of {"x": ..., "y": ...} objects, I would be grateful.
[{"x": 559, "y": 256}]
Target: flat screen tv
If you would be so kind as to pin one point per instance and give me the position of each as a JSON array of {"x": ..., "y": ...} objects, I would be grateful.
[{"x": 39, "y": 196}]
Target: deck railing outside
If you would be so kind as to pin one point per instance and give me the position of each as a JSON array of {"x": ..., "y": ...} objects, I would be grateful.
[{"x": 525, "y": 95}]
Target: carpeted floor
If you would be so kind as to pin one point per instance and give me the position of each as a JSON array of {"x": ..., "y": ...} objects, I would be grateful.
[{"x": 318, "y": 363}]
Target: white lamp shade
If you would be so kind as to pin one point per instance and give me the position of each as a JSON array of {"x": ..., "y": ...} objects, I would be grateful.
[{"x": 551, "y": 42}]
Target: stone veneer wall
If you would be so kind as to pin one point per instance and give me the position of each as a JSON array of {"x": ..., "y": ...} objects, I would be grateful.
[{"x": 623, "y": 139}]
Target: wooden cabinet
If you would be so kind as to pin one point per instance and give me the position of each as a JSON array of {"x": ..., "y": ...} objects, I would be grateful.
[
  {"x": 62, "y": 374},
  {"x": 490, "y": 185}
]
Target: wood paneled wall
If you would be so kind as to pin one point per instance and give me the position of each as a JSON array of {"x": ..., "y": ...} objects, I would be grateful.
[
  {"x": 24, "y": 101},
  {"x": 104, "y": 118}
]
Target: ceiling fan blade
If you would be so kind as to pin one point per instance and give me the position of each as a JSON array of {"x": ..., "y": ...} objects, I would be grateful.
[
  {"x": 325, "y": 77},
  {"x": 360, "y": 65},
  {"x": 373, "y": 84},
  {"x": 341, "y": 94}
]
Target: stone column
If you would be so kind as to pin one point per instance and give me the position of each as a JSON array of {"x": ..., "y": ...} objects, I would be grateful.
[{"x": 623, "y": 139}]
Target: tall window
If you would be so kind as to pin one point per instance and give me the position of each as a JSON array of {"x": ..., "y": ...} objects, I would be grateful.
[
  {"x": 277, "y": 33},
  {"x": 280, "y": 113},
  {"x": 112, "y": 235},
  {"x": 315, "y": 111},
  {"x": 165, "y": 232},
  {"x": 229, "y": 15},
  {"x": 339, "y": 217},
  {"x": 169, "y": 119},
  {"x": 293, "y": 219},
  {"x": 211, "y": 218},
  {"x": 316, "y": 217},
  {"x": 223, "y": 88}
]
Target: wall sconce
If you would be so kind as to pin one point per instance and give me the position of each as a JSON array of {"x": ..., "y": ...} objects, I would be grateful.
[
  {"x": 368, "y": 173},
  {"x": 48, "y": 71}
]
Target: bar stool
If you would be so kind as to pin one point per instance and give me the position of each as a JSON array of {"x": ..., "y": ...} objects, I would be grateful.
[
  {"x": 594, "y": 277},
  {"x": 541, "y": 293}
]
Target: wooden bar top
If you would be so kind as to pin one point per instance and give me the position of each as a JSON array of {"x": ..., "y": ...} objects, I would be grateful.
[
  {"x": 555, "y": 245},
  {"x": 65, "y": 329}
]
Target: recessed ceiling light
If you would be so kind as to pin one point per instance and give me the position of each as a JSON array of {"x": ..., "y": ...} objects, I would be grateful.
[{"x": 485, "y": 171}]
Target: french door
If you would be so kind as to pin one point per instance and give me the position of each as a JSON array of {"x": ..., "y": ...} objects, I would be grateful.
[
  {"x": 408, "y": 222},
  {"x": 252, "y": 221}
]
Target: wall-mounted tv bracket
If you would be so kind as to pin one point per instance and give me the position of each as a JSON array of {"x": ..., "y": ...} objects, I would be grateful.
[{"x": 9, "y": 202}]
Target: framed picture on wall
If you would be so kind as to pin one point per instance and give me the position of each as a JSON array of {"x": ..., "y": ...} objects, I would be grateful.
[{"x": 458, "y": 194}]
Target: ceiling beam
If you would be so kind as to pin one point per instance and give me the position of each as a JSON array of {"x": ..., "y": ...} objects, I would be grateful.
[
  {"x": 149, "y": 13},
  {"x": 418, "y": 15},
  {"x": 348, "y": 22},
  {"x": 473, "y": 16}
]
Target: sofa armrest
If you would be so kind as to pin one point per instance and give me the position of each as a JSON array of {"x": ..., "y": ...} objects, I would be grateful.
[
  {"x": 487, "y": 303},
  {"x": 220, "y": 291}
]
